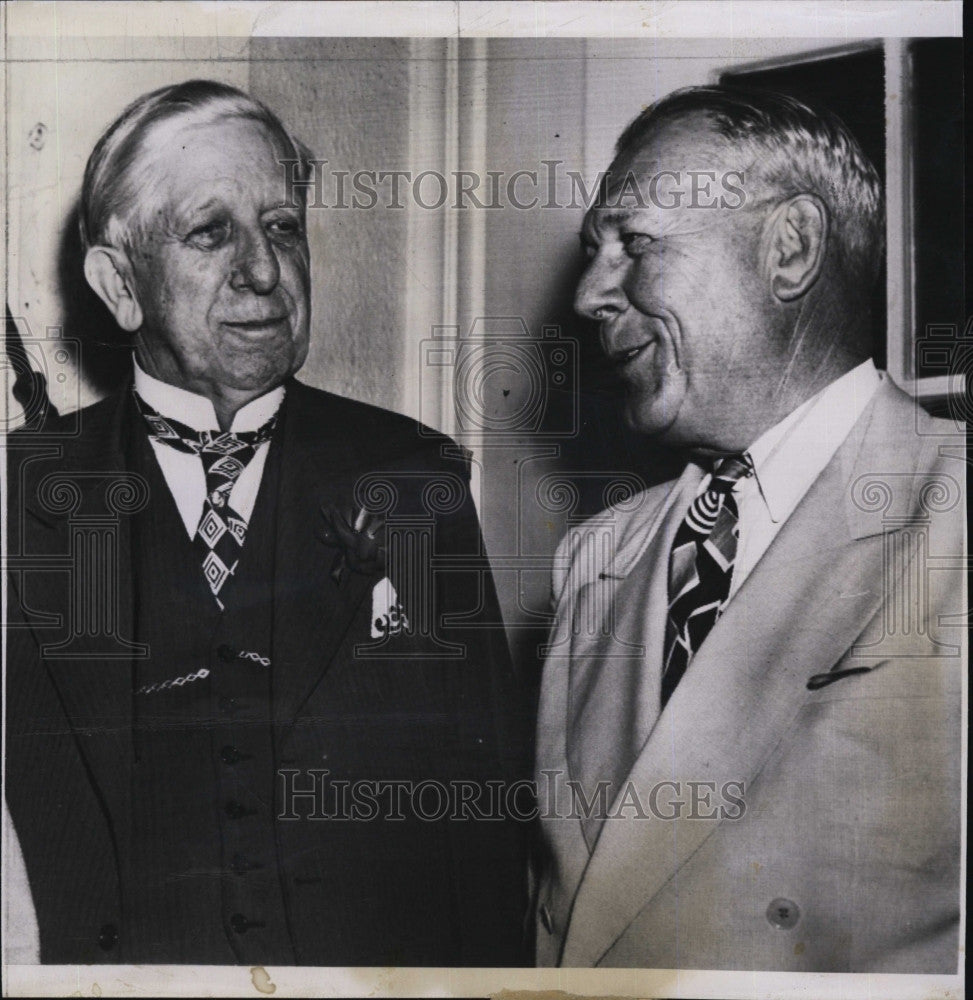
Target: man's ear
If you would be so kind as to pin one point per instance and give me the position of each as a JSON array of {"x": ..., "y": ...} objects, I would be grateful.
[
  {"x": 798, "y": 242},
  {"x": 110, "y": 274}
]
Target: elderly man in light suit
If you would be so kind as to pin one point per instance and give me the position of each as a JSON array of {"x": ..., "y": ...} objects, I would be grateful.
[{"x": 749, "y": 739}]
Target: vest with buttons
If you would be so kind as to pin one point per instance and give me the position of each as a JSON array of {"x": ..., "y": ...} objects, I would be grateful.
[{"x": 203, "y": 883}]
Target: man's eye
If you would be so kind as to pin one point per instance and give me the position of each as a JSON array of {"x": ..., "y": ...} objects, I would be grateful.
[
  {"x": 636, "y": 244},
  {"x": 587, "y": 247},
  {"x": 285, "y": 230},
  {"x": 210, "y": 235}
]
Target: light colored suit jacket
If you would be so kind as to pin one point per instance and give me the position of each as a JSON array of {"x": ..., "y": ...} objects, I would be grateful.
[{"x": 842, "y": 852}]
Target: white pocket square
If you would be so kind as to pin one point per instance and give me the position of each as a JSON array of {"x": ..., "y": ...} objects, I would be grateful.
[{"x": 388, "y": 615}]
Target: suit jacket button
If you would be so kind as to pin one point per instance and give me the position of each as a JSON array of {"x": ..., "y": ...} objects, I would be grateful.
[
  {"x": 230, "y": 755},
  {"x": 108, "y": 937},
  {"x": 241, "y": 925},
  {"x": 783, "y": 913},
  {"x": 226, "y": 653},
  {"x": 235, "y": 810},
  {"x": 546, "y": 919}
]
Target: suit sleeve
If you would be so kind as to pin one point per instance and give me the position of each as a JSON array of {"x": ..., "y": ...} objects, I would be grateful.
[
  {"x": 496, "y": 728},
  {"x": 66, "y": 847}
]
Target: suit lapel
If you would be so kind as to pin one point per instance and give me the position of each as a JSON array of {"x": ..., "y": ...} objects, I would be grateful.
[
  {"x": 312, "y": 613},
  {"x": 603, "y": 567},
  {"x": 823, "y": 578},
  {"x": 616, "y": 655}
]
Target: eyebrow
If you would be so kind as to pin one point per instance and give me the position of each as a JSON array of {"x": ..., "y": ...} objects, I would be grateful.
[
  {"x": 615, "y": 218},
  {"x": 186, "y": 212},
  {"x": 190, "y": 208},
  {"x": 607, "y": 220}
]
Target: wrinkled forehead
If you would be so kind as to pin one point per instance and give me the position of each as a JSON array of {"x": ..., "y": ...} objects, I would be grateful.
[
  {"x": 230, "y": 145},
  {"x": 680, "y": 145},
  {"x": 234, "y": 156}
]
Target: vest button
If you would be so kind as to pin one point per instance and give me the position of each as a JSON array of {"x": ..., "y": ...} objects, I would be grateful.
[
  {"x": 242, "y": 865},
  {"x": 108, "y": 937},
  {"x": 226, "y": 653},
  {"x": 230, "y": 755},
  {"x": 783, "y": 913}
]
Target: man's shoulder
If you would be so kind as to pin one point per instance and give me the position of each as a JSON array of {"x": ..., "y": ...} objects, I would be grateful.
[
  {"x": 83, "y": 439},
  {"x": 47, "y": 427},
  {"x": 381, "y": 437},
  {"x": 904, "y": 437},
  {"x": 78, "y": 443},
  {"x": 364, "y": 417}
]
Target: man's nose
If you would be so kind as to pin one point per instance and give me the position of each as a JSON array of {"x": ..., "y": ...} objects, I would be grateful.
[
  {"x": 255, "y": 265},
  {"x": 600, "y": 293}
]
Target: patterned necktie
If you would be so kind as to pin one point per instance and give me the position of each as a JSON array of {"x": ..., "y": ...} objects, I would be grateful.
[
  {"x": 221, "y": 531},
  {"x": 700, "y": 569}
]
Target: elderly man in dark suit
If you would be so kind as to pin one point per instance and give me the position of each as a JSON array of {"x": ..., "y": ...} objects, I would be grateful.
[
  {"x": 751, "y": 710},
  {"x": 253, "y": 642}
]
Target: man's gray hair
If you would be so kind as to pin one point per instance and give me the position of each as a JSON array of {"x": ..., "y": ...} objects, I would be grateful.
[
  {"x": 115, "y": 192},
  {"x": 793, "y": 150}
]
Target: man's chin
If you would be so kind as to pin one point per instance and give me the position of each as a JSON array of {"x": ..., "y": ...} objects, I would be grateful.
[
  {"x": 259, "y": 379},
  {"x": 653, "y": 420},
  {"x": 257, "y": 370}
]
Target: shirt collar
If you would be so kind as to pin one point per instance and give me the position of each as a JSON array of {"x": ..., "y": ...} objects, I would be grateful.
[
  {"x": 197, "y": 411},
  {"x": 789, "y": 456}
]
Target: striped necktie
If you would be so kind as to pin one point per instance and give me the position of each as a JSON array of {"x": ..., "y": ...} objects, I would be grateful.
[
  {"x": 700, "y": 569},
  {"x": 221, "y": 531}
]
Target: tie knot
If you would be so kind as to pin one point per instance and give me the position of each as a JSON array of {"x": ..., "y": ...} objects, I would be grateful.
[
  {"x": 209, "y": 445},
  {"x": 728, "y": 471}
]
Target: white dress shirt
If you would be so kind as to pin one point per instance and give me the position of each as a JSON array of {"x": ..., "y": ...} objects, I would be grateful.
[
  {"x": 789, "y": 457},
  {"x": 184, "y": 472}
]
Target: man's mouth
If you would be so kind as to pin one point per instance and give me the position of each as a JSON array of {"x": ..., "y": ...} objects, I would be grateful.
[
  {"x": 623, "y": 357},
  {"x": 256, "y": 325}
]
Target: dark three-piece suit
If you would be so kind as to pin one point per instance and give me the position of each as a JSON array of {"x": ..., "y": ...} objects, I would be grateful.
[{"x": 202, "y": 787}]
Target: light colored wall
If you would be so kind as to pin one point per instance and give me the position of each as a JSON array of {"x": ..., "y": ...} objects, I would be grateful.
[
  {"x": 347, "y": 99},
  {"x": 535, "y": 112}
]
